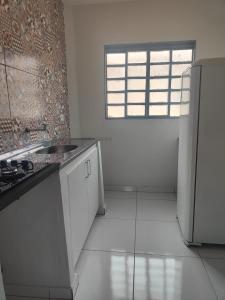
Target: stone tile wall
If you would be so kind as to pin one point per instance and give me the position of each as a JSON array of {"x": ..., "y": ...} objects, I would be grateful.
[{"x": 33, "y": 87}]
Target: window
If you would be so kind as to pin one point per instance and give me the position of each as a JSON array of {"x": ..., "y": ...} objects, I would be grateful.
[{"x": 144, "y": 81}]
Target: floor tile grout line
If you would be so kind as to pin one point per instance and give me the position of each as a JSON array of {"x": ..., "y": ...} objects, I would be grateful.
[
  {"x": 167, "y": 255},
  {"x": 115, "y": 218},
  {"x": 108, "y": 251},
  {"x": 141, "y": 199},
  {"x": 155, "y": 199},
  {"x": 210, "y": 281},
  {"x": 156, "y": 221},
  {"x": 135, "y": 234},
  {"x": 136, "y": 219},
  {"x": 212, "y": 258},
  {"x": 143, "y": 253}
]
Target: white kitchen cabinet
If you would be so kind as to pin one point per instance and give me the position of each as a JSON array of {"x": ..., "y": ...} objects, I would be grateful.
[
  {"x": 42, "y": 233},
  {"x": 79, "y": 185},
  {"x": 78, "y": 207},
  {"x": 33, "y": 248}
]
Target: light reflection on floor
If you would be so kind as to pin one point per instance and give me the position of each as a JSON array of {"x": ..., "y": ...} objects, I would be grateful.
[
  {"x": 160, "y": 277},
  {"x": 121, "y": 268}
]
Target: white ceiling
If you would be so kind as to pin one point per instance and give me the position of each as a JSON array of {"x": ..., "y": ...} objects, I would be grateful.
[{"x": 80, "y": 2}]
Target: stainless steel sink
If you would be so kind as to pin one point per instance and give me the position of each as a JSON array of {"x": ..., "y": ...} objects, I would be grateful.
[{"x": 57, "y": 149}]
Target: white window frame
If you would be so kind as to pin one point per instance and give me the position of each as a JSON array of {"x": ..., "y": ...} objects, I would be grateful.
[{"x": 170, "y": 46}]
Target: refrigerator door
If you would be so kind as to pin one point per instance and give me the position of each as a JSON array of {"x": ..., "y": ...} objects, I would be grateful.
[
  {"x": 2, "y": 292},
  {"x": 187, "y": 150},
  {"x": 209, "y": 224}
]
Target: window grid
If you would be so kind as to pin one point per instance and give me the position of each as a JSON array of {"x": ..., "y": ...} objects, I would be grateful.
[
  {"x": 170, "y": 80},
  {"x": 147, "y": 79},
  {"x": 126, "y": 67},
  {"x": 147, "y": 95}
]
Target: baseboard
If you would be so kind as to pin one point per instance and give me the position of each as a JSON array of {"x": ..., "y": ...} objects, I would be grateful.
[
  {"x": 120, "y": 188},
  {"x": 147, "y": 189},
  {"x": 38, "y": 292},
  {"x": 156, "y": 189}
]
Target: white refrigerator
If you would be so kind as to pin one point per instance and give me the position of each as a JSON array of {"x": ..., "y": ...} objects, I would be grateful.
[
  {"x": 2, "y": 292},
  {"x": 201, "y": 159}
]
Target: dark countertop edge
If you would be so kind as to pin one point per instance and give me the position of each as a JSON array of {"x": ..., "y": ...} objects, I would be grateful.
[
  {"x": 19, "y": 190},
  {"x": 23, "y": 187}
]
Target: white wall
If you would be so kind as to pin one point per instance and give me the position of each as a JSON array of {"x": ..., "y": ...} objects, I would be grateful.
[
  {"x": 72, "y": 71},
  {"x": 141, "y": 152}
]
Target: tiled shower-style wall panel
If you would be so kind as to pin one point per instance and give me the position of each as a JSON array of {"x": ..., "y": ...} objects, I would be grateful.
[{"x": 33, "y": 87}]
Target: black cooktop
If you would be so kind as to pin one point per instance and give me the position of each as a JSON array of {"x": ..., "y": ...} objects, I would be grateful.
[{"x": 17, "y": 177}]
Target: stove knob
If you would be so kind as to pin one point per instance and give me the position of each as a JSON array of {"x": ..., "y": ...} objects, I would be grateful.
[
  {"x": 3, "y": 164},
  {"x": 25, "y": 165},
  {"x": 14, "y": 163}
]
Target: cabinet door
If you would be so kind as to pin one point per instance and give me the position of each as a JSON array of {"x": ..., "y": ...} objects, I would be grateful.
[
  {"x": 92, "y": 185},
  {"x": 78, "y": 207}
]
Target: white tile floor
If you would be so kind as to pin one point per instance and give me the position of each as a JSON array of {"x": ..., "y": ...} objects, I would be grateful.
[
  {"x": 136, "y": 252},
  {"x": 111, "y": 235}
]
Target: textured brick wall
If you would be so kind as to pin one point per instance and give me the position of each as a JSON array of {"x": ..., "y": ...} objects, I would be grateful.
[{"x": 33, "y": 86}]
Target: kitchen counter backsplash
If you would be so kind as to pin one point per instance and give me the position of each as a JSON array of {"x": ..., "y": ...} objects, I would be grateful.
[{"x": 33, "y": 86}]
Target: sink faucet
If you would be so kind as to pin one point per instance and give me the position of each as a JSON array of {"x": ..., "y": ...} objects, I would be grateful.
[{"x": 43, "y": 127}]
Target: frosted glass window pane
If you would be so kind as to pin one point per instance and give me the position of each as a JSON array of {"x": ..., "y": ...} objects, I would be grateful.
[
  {"x": 116, "y": 85},
  {"x": 182, "y": 55},
  {"x": 175, "y": 110},
  {"x": 175, "y": 96},
  {"x": 135, "y": 110},
  {"x": 137, "y": 57},
  {"x": 186, "y": 82},
  {"x": 158, "y": 97},
  {"x": 158, "y": 84},
  {"x": 159, "y": 70},
  {"x": 136, "y": 71},
  {"x": 114, "y": 98},
  {"x": 158, "y": 110},
  {"x": 184, "y": 109},
  {"x": 185, "y": 96},
  {"x": 116, "y": 72},
  {"x": 116, "y": 58},
  {"x": 178, "y": 69},
  {"x": 135, "y": 97},
  {"x": 136, "y": 84},
  {"x": 116, "y": 111},
  {"x": 176, "y": 83},
  {"x": 159, "y": 56}
]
